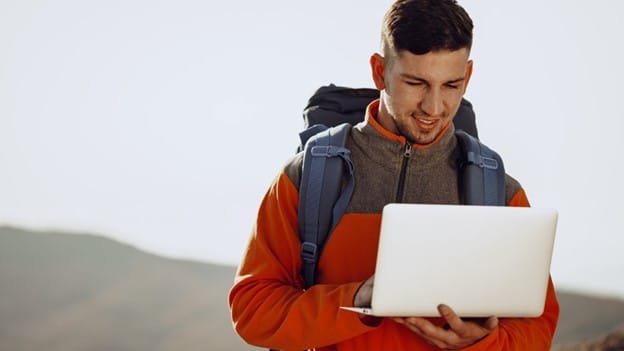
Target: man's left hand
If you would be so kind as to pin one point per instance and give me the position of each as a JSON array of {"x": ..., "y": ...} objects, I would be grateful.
[{"x": 460, "y": 333}]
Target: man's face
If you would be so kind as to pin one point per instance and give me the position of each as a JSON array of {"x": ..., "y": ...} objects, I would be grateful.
[{"x": 420, "y": 93}]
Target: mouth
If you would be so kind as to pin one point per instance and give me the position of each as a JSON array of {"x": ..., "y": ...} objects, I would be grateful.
[{"x": 426, "y": 124}]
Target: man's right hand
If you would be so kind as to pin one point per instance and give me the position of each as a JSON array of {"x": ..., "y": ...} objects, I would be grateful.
[
  {"x": 364, "y": 295},
  {"x": 458, "y": 333}
]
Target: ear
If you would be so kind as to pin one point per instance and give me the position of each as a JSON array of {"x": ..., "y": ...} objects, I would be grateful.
[
  {"x": 377, "y": 70},
  {"x": 469, "y": 66}
]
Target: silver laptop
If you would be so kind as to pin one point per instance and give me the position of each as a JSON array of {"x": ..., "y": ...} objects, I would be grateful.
[{"x": 481, "y": 261}]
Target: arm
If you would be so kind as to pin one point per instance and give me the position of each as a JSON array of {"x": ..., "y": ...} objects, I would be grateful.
[{"x": 268, "y": 304}]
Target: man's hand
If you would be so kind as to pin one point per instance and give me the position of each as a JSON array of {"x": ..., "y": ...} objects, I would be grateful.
[
  {"x": 460, "y": 333},
  {"x": 363, "y": 298},
  {"x": 364, "y": 294}
]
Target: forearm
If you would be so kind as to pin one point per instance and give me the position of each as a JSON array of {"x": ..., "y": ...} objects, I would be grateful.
[
  {"x": 268, "y": 303},
  {"x": 272, "y": 314}
]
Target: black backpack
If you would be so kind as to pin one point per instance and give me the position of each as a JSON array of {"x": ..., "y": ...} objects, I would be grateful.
[{"x": 328, "y": 176}]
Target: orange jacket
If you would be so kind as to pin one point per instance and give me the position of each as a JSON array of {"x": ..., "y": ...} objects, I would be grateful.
[{"x": 268, "y": 303}]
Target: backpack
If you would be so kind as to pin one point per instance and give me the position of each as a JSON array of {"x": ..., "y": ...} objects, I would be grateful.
[{"x": 328, "y": 175}]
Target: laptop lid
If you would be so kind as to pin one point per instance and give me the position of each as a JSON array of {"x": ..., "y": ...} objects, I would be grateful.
[{"x": 480, "y": 260}]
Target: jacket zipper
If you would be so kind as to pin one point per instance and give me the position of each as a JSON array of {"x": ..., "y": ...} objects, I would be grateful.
[{"x": 407, "y": 152}]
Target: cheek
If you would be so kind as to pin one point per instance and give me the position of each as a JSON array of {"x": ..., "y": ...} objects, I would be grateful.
[
  {"x": 407, "y": 101},
  {"x": 402, "y": 99},
  {"x": 396, "y": 105},
  {"x": 452, "y": 101},
  {"x": 452, "y": 96}
]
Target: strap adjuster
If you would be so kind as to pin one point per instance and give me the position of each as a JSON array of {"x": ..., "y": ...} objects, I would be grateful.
[
  {"x": 328, "y": 151},
  {"x": 482, "y": 161},
  {"x": 309, "y": 251}
]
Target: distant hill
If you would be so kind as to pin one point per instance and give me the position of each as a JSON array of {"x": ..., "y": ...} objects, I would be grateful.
[
  {"x": 614, "y": 341},
  {"x": 585, "y": 318},
  {"x": 83, "y": 292}
]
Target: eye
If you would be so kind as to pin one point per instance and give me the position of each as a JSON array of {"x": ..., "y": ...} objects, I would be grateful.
[
  {"x": 413, "y": 83},
  {"x": 452, "y": 86}
]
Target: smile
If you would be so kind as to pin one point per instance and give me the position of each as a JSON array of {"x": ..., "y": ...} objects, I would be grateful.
[{"x": 426, "y": 124}]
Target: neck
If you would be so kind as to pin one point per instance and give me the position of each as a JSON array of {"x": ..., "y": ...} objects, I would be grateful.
[{"x": 385, "y": 119}]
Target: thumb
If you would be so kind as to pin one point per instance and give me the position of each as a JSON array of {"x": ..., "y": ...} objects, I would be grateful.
[
  {"x": 491, "y": 323},
  {"x": 364, "y": 294}
]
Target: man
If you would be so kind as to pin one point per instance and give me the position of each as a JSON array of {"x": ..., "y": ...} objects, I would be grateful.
[{"x": 405, "y": 151}]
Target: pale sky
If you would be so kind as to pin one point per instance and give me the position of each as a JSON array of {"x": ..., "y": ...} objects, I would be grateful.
[{"x": 161, "y": 124}]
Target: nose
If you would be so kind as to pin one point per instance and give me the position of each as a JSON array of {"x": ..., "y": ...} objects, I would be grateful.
[{"x": 432, "y": 103}]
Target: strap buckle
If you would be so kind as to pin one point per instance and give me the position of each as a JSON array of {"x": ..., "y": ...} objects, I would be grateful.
[{"x": 309, "y": 251}]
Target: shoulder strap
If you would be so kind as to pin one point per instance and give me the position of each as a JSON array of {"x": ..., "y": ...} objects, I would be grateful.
[
  {"x": 306, "y": 134},
  {"x": 482, "y": 173},
  {"x": 322, "y": 199},
  {"x": 465, "y": 118}
]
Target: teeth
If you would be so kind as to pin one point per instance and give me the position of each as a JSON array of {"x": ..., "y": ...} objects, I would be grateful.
[{"x": 425, "y": 121}]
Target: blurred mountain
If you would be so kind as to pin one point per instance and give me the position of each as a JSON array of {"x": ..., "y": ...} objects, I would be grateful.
[
  {"x": 588, "y": 318},
  {"x": 83, "y": 292},
  {"x": 612, "y": 341}
]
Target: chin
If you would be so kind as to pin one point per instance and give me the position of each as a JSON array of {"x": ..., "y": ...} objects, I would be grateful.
[{"x": 424, "y": 139}]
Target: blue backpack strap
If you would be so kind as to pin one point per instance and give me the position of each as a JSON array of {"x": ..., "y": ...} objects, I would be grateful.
[
  {"x": 322, "y": 199},
  {"x": 308, "y": 133},
  {"x": 482, "y": 173}
]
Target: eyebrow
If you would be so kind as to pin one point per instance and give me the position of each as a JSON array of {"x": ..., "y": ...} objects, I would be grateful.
[{"x": 453, "y": 81}]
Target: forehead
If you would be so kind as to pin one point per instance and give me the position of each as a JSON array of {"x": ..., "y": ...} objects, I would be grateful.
[{"x": 441, "y": 65}]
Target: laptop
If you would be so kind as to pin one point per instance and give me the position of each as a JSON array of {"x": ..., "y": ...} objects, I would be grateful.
[{"x": 479, "y": 260}]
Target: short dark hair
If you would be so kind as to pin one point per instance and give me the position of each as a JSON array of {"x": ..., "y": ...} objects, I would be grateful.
[{"x": 422, "y": 26}]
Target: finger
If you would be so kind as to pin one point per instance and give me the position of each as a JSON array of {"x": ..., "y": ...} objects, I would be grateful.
[
  {"x": 399, "y": 320},
  {"x": 433, "y": 342},
  {"x": 448, "y": 337},
  {"x": 491, "y": 323},
  {"x": 456, "y": 324},
  {"x": 364, "y": 294}
]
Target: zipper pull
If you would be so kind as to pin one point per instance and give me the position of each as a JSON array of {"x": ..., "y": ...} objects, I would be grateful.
[{"x": 408, "y": 150}]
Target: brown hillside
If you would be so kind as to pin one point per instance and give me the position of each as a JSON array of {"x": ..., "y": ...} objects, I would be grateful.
[
  {"x": 81, "y": 292},
  {"x": 613, "y": 341},
  {"x": 587, "y": 317}
]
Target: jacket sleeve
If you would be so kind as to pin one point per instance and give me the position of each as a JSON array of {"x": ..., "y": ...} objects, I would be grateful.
[
  {"x": 524, "y": 333},
  {"x": 268, "y": 303}
]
